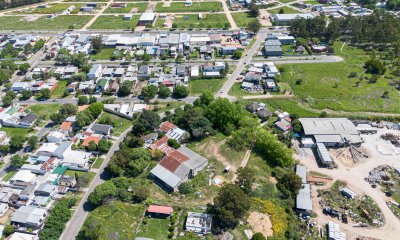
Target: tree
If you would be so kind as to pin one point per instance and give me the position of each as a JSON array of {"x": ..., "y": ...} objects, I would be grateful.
[
  {"x": 289, "y": 184},
  {"x": 84, "y": 118},
  {"x": 296, "y": 126},
  {"x": 254, "y": 26},
  {"x": 101, "y": 192},
  {"x": 147, "y": 121},
  {"x": 237, "y": 55},
  {"x": 146, "y": 57},
  {"x": 8, "y": 230},
  {"x": 180, "y": 92},
  {"x": 230, "y": 206},
  {"x": 32, "y": 142},
  {"x": 245, "y": 179},
  {"x": 254, "y": 9},
  {"x": 186, "y": 188},
  {"x": 7, "y": 101},
  {"x": 80, "y": 59},
  {"x": 16, "y": 142},
  {"x": 44, "y": 94},
  {"x": 95, "y": 109},
  {"x": 374, "y": 66},
  {"x": 82, "y": 180},
  {"x": 164, "y": 92},
  {"x": 92, "y": 146},
  {"x": 223, "y": 114},
  {"x": 16, "y": 161},
  {"x": 97, "y": 44},
  {"x": 205, "y": 99},
  {"x": 173, "y": 143},
  {"x": 104, "y": 146},
  {"x": 149, "y": 92},
  {"x": 125, "y": 89},
  {"x": 65, "y": 111},
  {"x": 26, "y": 94},
  {"x": 281, "y": 11},
  {"x": 82, "y": 100},
  {"x": 258, "y": 236},
  {"x": 23, "y": 68},
  {"x": 272, "y": 150}
]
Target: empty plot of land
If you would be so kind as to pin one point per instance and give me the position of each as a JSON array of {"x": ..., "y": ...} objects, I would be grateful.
[
  {"x": 114, "y": 22},
  {"x": 196, "y": 7},
  {"x": 129, "y": 8},
  {"x": 285, "y": 9},
  {"x": 242, "y": 18},
  {"x": 207, "y": 21},
  {"x": 43, "y": 23},
  {"x": 53, "y": 8}
]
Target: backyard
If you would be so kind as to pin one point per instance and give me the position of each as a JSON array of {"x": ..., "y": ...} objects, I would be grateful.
[
  {"x": 20, "y": 132},
  {"x": 59, "y": 91},
  {"x": 207, "y": 21},
  {"x": 154, "y": 228},
  {"x": 120, "y": 124},
  {"x": 44, "y": 110},
  {"x": 103, "y": 54},
  {"x": 196, "y": 7},
  {"x": 40, "y": 23},
  {"x": 114, "y": 22},
  {"x": 341, "y": 86}
]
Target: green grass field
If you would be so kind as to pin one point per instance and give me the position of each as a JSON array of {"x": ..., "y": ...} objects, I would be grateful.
[
  {"x": 60, "y": 89},
  {"x": 45, "y": 110},
  {"x": 196, "y": 7},
  {"x": 208, "y": 21},
  {"x": 328, "y": 85},
  {"x": 80, "y": 173},
  {"x": 312, "y": 2},
  {"x": 43, "y": 23},
  {"x": 140, "y": 7},
  {"x": 159, "y": 23},
  {"x": 155, "y": 228},
  {"x": 121, "y": 124},
  {"x": 114, "y": 22},
  {"x": 242, "y": 19},
  {"x": 286, "y": 10},
  {"x": 104, "y": 54},
  {"x": 117, "y": 219},
  {"x": 97, "y": 163},
  {"x": 22, "y": 132},
  {"x": 200, "y": 85},
  {"x": 286, "y": 1},
  {"x": 55, "y": 8}
]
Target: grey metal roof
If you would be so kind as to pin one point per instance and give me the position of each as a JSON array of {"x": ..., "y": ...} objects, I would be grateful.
[
  {"x": 313, "y": 126},
  {"x": 61, "y": 148},
  {"x": 173, "y": 38},
  {"x": 147, "y": 17},
  {"x": 94, "y": 69},
  {"x": 166, "y": 176},
  {"x": 303, "y": 199},
  {"x": 30, "y": 118},
  {"x": 101, "y": 128},
  {"x": 323, "y": 153},
  {"x": 195, "y": 160},
  {"x": 301, "y": 171},
  {"x": 28, "y": 214},
  {"x": 45, "y": 188}
]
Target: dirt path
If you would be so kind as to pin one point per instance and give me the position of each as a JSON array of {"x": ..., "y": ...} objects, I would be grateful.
[
  {"x": 98, "y": 14},
  {"x": 229, "y": 15}
]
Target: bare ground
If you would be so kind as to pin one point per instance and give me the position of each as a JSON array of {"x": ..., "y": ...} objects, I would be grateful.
[{"x": 260, "y": 222}]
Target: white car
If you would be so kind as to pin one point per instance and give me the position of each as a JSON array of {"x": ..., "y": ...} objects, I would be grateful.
[{"x": 222, "y": 90}]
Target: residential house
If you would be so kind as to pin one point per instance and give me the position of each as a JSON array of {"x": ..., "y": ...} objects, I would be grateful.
[
  {"x": 273, "y": 50},
  {"x": 30, "y": 217},
  {"x": 46, "y": 189},
  {"x": 95, "y": 72},
  {"x": 102, "y": 85},
  {"x": 23, "y": 236},
  {"x": 200, "y": 223},
  {"x": 19, "y": 86},
  {"x": 159, "y": 211},
  {"x": 4, "y": 138},
  {"x": 149, "y": 139},
  {"x": 146, "y": 18},
  {"x": 101, "y": 129},
  {"x": 23, "y": 178},
  {"x": 67, "y": 181}
]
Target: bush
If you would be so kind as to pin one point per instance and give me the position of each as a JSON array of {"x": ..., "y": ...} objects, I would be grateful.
[
  {"x": 8, "y": 230},
  {"x": 173, "y": 143},
  {"x": 299, "y": 81},
  {"x": 353, "y": 75}
]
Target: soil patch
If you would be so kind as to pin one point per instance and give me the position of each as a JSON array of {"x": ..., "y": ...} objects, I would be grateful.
[{"x": 260, "y": 222}]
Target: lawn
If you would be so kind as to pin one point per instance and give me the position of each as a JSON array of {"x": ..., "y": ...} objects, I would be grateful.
[
  {"x": 286, "y": 10},
  {"x": 208, "y": 21},
  {"x": 140, "y": 7},
  {"x": 242, "y": 19},
  {"x": 329, "y": 85},
  {"x": 21, "y": 132},
  {"x": 286, "y": 1},
  {"x": 196, "y": 7},
  {"x": 117, "y": 219},
  {"x": 104, "y": 54},
  {"x": 9, "y": 175},
  {"x": 43, "y": 23},
  {"x": 55, "y": 8},
  {"x": 97, "y": 163},
  {"x": 199, "y": 86},
  {"x": 60, "y": 89},
  {"x": 155, "y": 228},
  {"x": 80, "y": 173},
  {"x": 114, "y": 22},
  {"x": 312, "y": 2},
  {"x": 121, "y": 124},
  {"x": 159, "y": 23},
  {"x": 45, "y": 110}
]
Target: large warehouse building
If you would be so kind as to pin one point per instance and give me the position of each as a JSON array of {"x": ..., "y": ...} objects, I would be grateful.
[{"x": 332, "y": 132}]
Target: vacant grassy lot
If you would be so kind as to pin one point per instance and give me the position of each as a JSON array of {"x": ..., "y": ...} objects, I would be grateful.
[
  {"x": 285, "y": 10},
  {"x": 97, "y": 163},
  {"x": 43, "y": 23},
  {"x": 120, "y": 124},
  {"x": 329, "y": 85},
  {"x": 159, "y": 23},
  {"x": 155, "y": 228},
  {"x": 80, "y": 173},
  {"x": 140, "y": 7},
  {"x": 196, "y": 7},
  {"x": 290, "y": 106},
  {"x": 286, "y": 1},
  {"x": 45, "y": 110},
  {"x": 242, "y": 18},
  {"x": 104, "y": 54},
  {"x": 55, "y": 8},
  {"x": 117, "y": 219},
  {"x": 60, "y": 90},
  {"x": 22, "y": 132},
  {"x": 201, "y": 85},
  {"x": 114, "y": 22},
  {"x": 312, "y": 2},
  {"x": 208, "y": 21}
]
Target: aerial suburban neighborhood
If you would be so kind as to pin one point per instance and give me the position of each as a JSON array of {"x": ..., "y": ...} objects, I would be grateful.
[{"x": 199, "y": 119}]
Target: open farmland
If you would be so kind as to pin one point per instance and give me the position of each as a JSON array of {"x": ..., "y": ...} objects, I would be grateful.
[
  {"x": 196, "y": 7},
  {"x": 43, "y": 23}
]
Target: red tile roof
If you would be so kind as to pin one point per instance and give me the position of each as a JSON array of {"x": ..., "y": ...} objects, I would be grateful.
[
  {"x": 160, "y": 209},
  {"x": 166, "y": 126},
  {"x": 67, "y": 126},
  {"x": 87, "y": 140}
]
